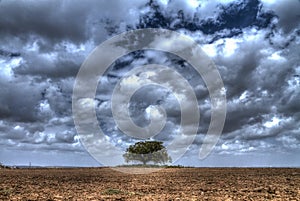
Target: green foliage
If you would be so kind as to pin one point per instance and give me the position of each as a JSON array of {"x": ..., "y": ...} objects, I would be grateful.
[
  {"x": 175, "y": 166},
  {"x": 6, "y": 191},
  {"x": 146, "y": 152},
  {"x": 112, "y": 191}
]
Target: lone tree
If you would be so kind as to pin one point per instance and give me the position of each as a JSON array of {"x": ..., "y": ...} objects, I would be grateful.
[{"x": 147, "y": 151}]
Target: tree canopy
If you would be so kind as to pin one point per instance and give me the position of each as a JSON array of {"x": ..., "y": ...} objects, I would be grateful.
[{"x": 147, "y": 151}]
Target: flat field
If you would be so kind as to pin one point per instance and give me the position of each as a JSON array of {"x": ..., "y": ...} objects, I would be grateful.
[{"x": 166, "y": 184}]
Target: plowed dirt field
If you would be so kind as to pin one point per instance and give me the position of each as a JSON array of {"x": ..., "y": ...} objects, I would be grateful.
[{"x": 166, "y": 184}]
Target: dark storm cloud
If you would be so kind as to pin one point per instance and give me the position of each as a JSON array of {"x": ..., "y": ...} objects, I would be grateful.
[
  {"x": 255, "y": 45},
  {"x": 288, "y": 14},
  {"x": 9, "y": 54},
  {"x": 240, "y": 68},
  {"x": 46, "y": 67},
  {"x": 66, "y": 137},
  {"x": 217, "y": 18},
  {"x": 20, "y": 102},
  {"x": 28, "y": 136},
  {"x": 54, "y": 20},
  {"x": 25, "y": 102},
  {"x": 51, "y": 40},
  {"x": 59, "y": 101}
]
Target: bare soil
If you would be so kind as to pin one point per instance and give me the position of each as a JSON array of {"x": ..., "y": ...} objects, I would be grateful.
[{"x": 166, "y": 184}]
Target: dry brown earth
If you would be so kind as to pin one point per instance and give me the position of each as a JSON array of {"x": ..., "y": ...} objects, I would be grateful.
[{"x": 167, "y": 184}]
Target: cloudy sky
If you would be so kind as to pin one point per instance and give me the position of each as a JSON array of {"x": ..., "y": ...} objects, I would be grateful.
[{"x": 254, "y": 45}]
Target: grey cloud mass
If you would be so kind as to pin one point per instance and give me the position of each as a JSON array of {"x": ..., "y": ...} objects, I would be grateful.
[{"x": 254, "y": 44}]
